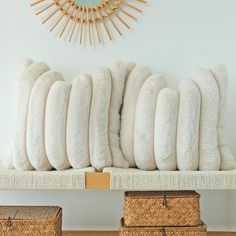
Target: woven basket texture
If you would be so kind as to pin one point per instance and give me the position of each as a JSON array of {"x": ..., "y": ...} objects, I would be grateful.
[
  {"x": 200, "y": 230},
  {"x": 30, "y": 221},
  {"x": 179, "y": 208}
]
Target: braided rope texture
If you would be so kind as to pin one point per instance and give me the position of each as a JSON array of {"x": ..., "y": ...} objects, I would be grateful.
[
  {"x": 135, "y": 179},
  {"x": 71, "y": 179}
]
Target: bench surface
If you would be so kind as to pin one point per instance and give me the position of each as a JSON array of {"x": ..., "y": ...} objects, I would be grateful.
[{"x": 117, "y": 179}]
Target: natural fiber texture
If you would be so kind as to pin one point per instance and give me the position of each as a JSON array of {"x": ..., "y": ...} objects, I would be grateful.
[
  {"x": 30, "y": 221},
  {"x": 51, "y": 180},
  {"x": 164, "y": 231},
  {"x": 162, "y": 208},
  {"x": 135, "y": 179}
]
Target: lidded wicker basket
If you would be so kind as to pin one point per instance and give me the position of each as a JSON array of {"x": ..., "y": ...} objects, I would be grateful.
[
  {"x": 180, "y": 208},
  {"x": 30, "y": 221},
  {"x": 200, "y": 230}
]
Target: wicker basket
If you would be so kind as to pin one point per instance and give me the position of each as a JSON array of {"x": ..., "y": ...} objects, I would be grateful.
[
  {"x": 179, "y": 208},
  {"x": 30, "y": 221},
  {"x": 200, "y": 230}
]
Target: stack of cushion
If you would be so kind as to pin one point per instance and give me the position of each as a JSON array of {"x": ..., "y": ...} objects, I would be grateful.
[{"x": 122, "y": 116}]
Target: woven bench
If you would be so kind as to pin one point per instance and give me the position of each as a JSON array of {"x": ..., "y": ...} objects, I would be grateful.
[{"x": 117, "y": 179}]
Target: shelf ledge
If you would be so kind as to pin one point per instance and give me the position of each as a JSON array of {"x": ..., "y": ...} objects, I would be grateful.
[
  {"x": 43, "y": 180},
  {"x": 135, "y": 179},
  {"x": 117, "y": 179}
]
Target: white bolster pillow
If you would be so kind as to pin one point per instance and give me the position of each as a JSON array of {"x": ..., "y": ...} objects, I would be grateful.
[
  {"x": 221, "y": 76},
  {"x": 129, "y": 67},
  {"x": 145, "y": 122},
  {"x": 24, "y": 64},
  {"x": 165, "y": 129},
  {"x": 188, "y": 126},
  {"x": 36, "y": 120},
  {"x": 118, "y": 76},
  {"x": 7, "y": 161},
  {"x": 55, "y": 125},
  {"x": 100, "y": 155},
  {"x": 77, "y": 138},
  {"x": 24, "y": 86},
  {"x": 208, "y": 144},
  {"x": 133, "y": 86}
]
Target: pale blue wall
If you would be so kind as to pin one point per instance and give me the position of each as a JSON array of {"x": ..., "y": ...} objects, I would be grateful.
[{"x": 90, "y": 3}]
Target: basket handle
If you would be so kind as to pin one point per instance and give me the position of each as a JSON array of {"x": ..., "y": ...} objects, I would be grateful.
[
  {"x": 163, "y": 231},
  {"x": 9, "y": 224},
  {"x": 164, "y": 203}
]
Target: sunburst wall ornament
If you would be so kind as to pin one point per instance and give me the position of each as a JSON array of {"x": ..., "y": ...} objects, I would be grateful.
[{"x": 87, "y": 20}]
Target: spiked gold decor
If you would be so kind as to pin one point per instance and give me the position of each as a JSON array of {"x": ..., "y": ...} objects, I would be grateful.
[{"x": 70, "y": 18}]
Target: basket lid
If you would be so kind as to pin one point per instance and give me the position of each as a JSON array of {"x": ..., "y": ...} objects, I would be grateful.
[
  {"x": 160, "y": 194},
  {"x": 29, "y": 212}
]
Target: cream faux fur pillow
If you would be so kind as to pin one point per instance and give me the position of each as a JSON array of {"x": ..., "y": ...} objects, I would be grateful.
[
  {"x": 55, "y": 125},
  {"x": 145, "y": 122},
  {"x": 133, "y": 85},
  {"x": 208, "y": 145},
  {"x": 118, "y": 77},
  {"x": 165, "y": 129},
  {"x": 188, "y": 126},
  {"x": 24, "y": 86},
  {"x": 221, "y": 76},
  {"x": 77, "y": 135},
  {"x": 129, "y": 67},
  {"x": 7, "y": 161},
  {"x": 36, "y": 120},
  {"x": 100, "y": 155}
]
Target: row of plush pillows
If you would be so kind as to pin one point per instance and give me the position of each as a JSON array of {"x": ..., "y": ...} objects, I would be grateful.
[{"x": 121, "y": 116}]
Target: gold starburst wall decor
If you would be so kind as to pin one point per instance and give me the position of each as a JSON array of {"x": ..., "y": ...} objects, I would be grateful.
[{"x": 87, "y": 21}]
